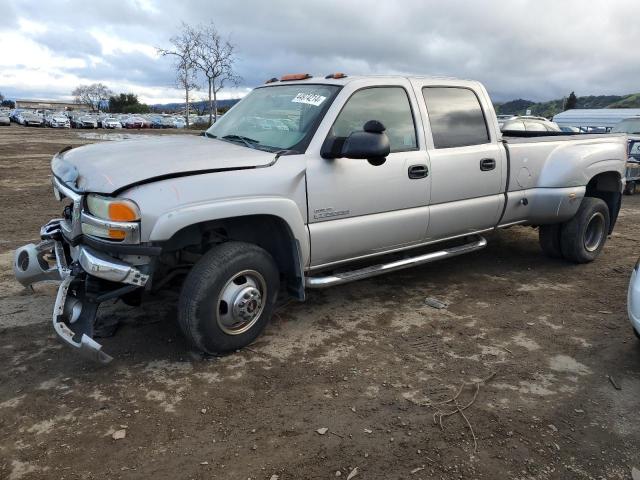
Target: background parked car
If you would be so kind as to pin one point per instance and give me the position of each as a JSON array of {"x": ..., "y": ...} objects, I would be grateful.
[
  {"x": 85, "y": 121},
  {"x": 630, "y": 126},
  {"x": 4, "y": 118},
  {"x": 111, "y": 122},
  {"x": 633, "y": 299},
  {"x": 135, "y": 122},
  {"x": 156, "y": 121},
  {"x": 32, "y": 119},
  {"x": 530, "y": 124},
  {"x": 57, "y": 120}
]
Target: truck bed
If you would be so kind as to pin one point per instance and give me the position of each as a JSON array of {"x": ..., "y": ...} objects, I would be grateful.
[
  {"x": 544, "y": 169},
  {"x": 536, "y": 137}
]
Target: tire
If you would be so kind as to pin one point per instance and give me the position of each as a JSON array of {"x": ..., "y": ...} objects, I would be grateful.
[
  {"x": 583, "y": 237},
  {"x": 630, "y": 189},
  {"x": 222, "y": 305},
  {"x": 549, "y": 236}
]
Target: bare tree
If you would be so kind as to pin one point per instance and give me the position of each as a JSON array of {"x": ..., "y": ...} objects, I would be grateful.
[
  {"x": 94, "y": 95},
  {"x": 183, "y": 50},
  {"x": 214, "y": 57}
]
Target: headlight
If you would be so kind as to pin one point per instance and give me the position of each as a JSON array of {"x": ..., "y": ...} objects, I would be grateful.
[{"x": 110, "y": 210}]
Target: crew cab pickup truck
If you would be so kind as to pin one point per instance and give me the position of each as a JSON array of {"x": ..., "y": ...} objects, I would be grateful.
[{"x": 309, "y": 182}]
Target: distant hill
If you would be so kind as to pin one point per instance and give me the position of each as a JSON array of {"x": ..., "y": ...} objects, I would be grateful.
[
  {"x": 550, "y": 108},
  {"x": 202, "y": 105}
]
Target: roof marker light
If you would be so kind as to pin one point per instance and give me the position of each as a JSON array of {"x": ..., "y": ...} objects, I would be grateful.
[
  {"x": 294, "y": 76},
  {"x": 336, "y": 75}
]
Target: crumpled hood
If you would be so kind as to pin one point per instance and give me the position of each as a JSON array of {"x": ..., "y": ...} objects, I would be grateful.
[{"x": 111, "y": 166}]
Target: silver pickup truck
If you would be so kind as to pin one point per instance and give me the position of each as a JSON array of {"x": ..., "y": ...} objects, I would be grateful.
[{"x": 309, "y": 182}]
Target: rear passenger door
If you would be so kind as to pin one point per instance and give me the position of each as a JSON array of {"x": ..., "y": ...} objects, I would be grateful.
[{"x": 468, "y": 166}]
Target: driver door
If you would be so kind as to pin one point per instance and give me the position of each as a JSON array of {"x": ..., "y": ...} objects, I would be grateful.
[{"x": 357, "y": 209}]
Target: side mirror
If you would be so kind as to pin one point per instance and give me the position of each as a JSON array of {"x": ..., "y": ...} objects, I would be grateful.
[{"x": 370, "y": 144}]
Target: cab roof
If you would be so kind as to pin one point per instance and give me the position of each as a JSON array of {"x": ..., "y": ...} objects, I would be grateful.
[{"x": 346, "y": 79}]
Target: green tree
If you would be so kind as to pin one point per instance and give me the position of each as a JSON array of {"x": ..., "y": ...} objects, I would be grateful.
[
  {"x": 572, "y": 101},
  {"x": 126, "y": 103}
]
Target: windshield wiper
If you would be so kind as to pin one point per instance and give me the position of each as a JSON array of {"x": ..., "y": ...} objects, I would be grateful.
[
  {"x": 209, "y": 135},
  {"x": 249, "y": 142}
]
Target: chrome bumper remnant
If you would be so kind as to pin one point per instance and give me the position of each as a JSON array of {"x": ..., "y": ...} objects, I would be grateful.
[
  {"x": 72, "y": 311},
  {"x": 73, "y": 314}
]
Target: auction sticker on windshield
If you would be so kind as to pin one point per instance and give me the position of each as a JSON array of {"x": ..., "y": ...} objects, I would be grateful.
[{"x": 309, "y": 98}]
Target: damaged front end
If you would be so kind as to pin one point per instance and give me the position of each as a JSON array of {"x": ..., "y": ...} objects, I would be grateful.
[{"x": 88, "y": 276}]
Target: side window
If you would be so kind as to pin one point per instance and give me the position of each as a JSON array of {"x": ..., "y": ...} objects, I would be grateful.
[
  {"x": 455, "y": 116},
  {"x": 389, "y": 105}
]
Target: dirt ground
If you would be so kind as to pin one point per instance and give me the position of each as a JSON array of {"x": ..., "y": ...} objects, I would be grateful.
[{"x": 363, "y": 361}]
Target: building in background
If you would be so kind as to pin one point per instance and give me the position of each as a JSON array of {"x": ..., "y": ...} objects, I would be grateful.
[
  {"x": 596, "y": 118},
  {"x": 51, "y": 105}
]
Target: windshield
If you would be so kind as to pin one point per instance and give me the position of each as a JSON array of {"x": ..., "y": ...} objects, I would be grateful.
[
  {"x": 631, "y": 125},
  {"x": 282, "y": 117}
]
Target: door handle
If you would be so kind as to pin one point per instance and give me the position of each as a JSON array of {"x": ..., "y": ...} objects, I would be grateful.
[
  {"x": 418, "y": 171},
  {"x": 487, "y": 164}
]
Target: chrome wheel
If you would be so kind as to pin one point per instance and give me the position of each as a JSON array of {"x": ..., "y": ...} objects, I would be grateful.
[
  {"x": 241, "y": 302},
  {"x": 594, "y": 232}
]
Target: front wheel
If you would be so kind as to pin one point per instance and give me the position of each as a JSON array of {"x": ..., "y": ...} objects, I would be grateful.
[
  {"x": 631, "y": 188},
  {"x": 583, "y": 237},
  {"x": 228, "y": 297}
]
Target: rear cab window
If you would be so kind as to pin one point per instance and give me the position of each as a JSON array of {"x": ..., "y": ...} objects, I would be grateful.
[{"x": 456, "y": 117}]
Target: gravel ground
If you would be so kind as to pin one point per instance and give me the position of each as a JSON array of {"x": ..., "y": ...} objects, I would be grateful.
[{"x": 347, "y": 382}]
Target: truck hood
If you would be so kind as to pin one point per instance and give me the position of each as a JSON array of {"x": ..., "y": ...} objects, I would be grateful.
[{"x": 109, "y": 167}]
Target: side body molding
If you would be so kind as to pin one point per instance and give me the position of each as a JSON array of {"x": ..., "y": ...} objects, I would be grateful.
[{"x": 284, "y": 208}]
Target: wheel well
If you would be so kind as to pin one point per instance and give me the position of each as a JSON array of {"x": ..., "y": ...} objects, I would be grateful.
[
  {"x": 607, "y": 186},
  {"x": 267, "y": 231}
]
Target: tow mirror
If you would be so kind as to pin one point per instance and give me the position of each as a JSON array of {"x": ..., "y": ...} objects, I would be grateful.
[{"x": 371, "y": 143}]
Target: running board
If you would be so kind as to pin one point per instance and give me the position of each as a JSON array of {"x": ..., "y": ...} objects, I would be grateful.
[{"x": 372, "y": 271}]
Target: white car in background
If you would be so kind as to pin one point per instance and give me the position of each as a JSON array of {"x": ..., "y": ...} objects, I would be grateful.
[
  {"x": 529, "y": 124},
  {"x": 633, "y": 299},
  {"x": 57, "y": 120},
  {"x": 32, "y": 119},
  {"x": 111, "y": 122},
  {"x": 4, "y": 118},
  {"x": 179, "y": 123}
]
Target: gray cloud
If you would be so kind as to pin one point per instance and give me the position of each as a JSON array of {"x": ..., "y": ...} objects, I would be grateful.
[
  {"x": 68, "y": 42},
  {"x": 536, "y": 49}
]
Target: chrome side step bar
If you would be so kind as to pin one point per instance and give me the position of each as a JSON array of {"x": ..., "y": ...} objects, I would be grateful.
[{"x": 372, "y": 271}]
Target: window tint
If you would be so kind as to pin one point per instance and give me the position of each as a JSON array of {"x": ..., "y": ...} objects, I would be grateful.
[
  {"x": 389, "y": 105},
  {"x": 455, "y": 116}
]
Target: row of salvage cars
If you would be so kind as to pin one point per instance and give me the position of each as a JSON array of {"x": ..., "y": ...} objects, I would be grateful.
[{"x": 44, "y": 118}]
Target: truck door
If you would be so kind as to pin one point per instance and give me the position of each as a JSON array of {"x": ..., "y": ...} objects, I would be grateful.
[
  {"x": 468, "y": 165},
  {"x": 357, "y": 209}
]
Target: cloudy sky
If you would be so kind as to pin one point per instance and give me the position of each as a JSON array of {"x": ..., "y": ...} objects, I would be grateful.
[{"x": 535, "y": 49}]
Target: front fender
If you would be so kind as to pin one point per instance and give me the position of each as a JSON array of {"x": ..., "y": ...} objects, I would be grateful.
[{"x": 172, "y": 221}]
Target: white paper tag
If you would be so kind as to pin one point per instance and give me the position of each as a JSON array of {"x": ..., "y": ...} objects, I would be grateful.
[{"x": 309, "y": 99}]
